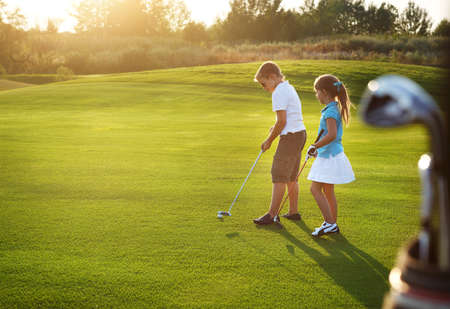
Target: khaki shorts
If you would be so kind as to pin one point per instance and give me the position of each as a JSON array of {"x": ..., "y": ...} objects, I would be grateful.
[{"x": 286, "y": 160}]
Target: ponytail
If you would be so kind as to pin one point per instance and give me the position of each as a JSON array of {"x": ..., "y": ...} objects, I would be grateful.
[
  {"x": 344, "y": 103},
  {"x": 336, "y": 89}
]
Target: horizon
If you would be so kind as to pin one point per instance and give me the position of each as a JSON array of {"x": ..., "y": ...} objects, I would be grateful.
[{"x": 38, "y": 13}]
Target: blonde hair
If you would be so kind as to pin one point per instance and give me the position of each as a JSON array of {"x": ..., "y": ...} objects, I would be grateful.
[
  {"x": 266, "y": 69},
  {"x": 336, "y": 89}
]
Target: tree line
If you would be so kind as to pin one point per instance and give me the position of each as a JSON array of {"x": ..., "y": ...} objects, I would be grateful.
[
  {"x": 131, "y": 17},
  {"x": 253, "y": 20},
  {"x": 120, "y": 35}
]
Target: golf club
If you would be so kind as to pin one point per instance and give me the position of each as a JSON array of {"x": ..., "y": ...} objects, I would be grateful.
[
  {"x": 275, "y": 219},
  {"x": 220, "y": 214},
  {"x": 422, "y": 274},
  {"x": 392, "y": 101}
]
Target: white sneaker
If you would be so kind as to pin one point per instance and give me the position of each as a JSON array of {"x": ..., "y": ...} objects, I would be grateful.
[
  {"x": 319, "y": 231},
  {"x": 325, "y": 228},
  {"x": 332, "y": 229}
]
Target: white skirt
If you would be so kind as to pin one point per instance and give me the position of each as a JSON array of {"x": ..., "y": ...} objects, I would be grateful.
[{"x": 332, "y": 170}]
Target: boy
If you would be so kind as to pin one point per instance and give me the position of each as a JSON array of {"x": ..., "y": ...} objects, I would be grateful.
[{"x": 289, "y": 125}]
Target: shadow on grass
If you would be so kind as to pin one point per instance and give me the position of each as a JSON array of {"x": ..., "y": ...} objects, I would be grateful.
[{"x": 358, "y": 273}]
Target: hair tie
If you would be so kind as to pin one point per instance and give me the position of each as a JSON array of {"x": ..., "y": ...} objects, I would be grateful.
[{"x": 338, "y": 85}]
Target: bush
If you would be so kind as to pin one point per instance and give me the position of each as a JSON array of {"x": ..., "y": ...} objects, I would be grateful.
[
  {"x": 77, "y": 62},
  {"x": 63, "y": 73},
  {"x": 92, "y": 54},
  {"x": 420, "y": 44},
  {"x": 2, "y": 71},
  {"x": 133, "y": 59}
]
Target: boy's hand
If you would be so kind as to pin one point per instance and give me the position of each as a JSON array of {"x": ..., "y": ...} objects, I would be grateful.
[{"x": 266, "y": 145}]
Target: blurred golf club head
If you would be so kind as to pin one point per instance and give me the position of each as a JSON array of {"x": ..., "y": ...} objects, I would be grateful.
[{"x": 392, "y": 101}]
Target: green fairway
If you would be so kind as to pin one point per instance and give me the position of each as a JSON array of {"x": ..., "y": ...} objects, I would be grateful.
[{"x": 110, "y": 186}]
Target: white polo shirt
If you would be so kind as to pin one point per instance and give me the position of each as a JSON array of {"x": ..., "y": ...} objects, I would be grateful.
[{"x": 286, "y": 98}]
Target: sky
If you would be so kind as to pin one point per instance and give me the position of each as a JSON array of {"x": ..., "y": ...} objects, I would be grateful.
[{"x": 206, "y": 11}]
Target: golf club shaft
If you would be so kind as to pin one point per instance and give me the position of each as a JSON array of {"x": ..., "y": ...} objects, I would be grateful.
[
  {"x": 289, "y": 188},
  {"x": 298, "y": 175},
  {"x": 426, "y": 212},
  {"x": 246, "y": 178},
  {"x": 444, "y": 238}
]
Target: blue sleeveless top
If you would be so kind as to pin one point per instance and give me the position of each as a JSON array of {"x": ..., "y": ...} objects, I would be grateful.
[{"x": 335, "y": 147}]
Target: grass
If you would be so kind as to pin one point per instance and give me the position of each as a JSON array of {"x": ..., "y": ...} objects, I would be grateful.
[{"x": 110, "y": 185}]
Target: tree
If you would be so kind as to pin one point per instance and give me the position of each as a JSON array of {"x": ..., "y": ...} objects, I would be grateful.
[
  {"x": 166, "y": 16},
  {"x": 253, "y": 20},
  {"x": 14, "y": 18},
  {"x": 238, "y": 22},
  {"x": 385, "y": 18},
  {"x": 443, "y": 29},
  {"x": 380, "y": 20},
  {"x": 326, "y": 14},
  {"x": 414, "y": 20},
  {"x": 127, "y": 17},
  {"x": 157, "y": 21},
  {"x": 178, "y": 15},
  {"x": 52, "y": 26},
  {"x": 114, "y": 16},
  {"x": 195, "y": 32},
  {"x": 350, "y": 17},
  {"x": 341, "y": 16},
  {"x": 308, "y": 20},
  {"x": 290, "y": 26},
  {"x": 268, "y": 20},
  {"x": 91, "y": 15},
  {"x": 2, "y": 8},
  {"x": 13, "y": 51}
]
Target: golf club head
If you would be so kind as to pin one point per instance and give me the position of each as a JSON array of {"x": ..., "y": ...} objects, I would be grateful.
[
  {"x": 221, "y": 214},
  {"x": 393, "y": 101}
]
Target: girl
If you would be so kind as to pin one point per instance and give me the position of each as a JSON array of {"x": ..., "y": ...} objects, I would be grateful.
[{"x": 331, "y": 165}]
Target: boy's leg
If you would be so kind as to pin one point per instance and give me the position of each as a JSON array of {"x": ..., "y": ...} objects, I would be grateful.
[
  {"x": 278, "y": 190},
  {"x": 328, "y": 189},
  {"x": 316, "y": 190},
  {"x": 293, "y": 197}
]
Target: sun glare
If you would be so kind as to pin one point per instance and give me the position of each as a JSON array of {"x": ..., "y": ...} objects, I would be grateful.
[
  {"x": 207, "y": 11},
  {"x": 38, "y": 12}
]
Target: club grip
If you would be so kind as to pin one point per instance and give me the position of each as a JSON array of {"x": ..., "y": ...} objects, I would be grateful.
[{"x": 318, "y": 136}]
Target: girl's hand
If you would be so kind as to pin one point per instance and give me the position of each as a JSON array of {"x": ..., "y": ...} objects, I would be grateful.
[
  {"x": 265, "y": 145},
  {"x": 312, "y": 151}
]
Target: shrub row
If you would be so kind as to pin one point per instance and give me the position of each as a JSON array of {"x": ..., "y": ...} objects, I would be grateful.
[{"x": 92, "y": 54}]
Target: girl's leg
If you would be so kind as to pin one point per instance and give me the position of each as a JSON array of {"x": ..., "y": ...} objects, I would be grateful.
[
  {"x": 316, "y": 190},
  {"x": 328, "y": 189},
  {"x": 278, "y": 189},
  {"x": 293, "y": 197}
]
